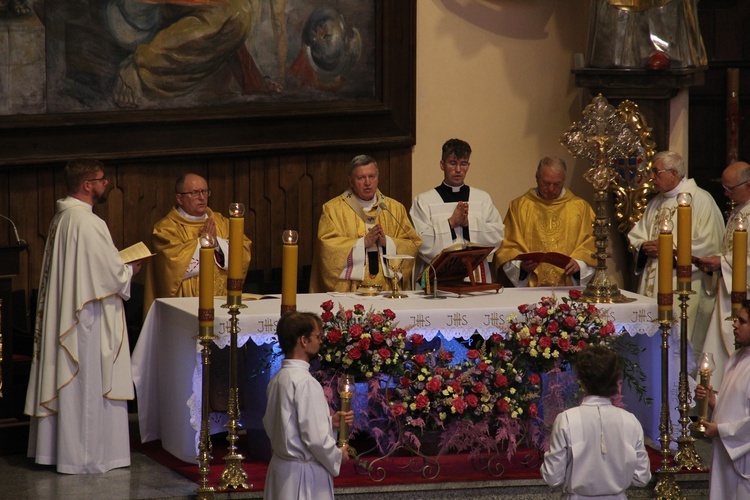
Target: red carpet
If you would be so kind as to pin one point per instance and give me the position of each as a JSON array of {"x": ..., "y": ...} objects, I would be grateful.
[{"x": 453, "y": 468}]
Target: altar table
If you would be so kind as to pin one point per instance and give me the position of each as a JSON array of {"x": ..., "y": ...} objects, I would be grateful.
[{"x": 167, "y": 361}]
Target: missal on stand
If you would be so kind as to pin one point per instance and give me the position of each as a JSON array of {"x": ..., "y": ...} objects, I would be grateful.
[{"x": 455, "y": 265}]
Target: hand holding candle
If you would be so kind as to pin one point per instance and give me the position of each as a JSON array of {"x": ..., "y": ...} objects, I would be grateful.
[
  {"x": 289, "y": 258},
  {"x": 684, "y": 240},
  {"x": 346, "y": 388},
  {"x": 706, "y": 367},
  {"x": 236, "y": 232}
]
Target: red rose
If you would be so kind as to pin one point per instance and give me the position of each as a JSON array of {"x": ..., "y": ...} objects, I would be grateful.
[
  {"x": 570, "y": 321},
  {"x": 482, "y": 366},
  {"x": 457, "y": 389},
  {"x": 591, "y": 309},
  {"x": 472, "y": 354},
  {"x": 564, "y": 307},
  {"x": 327, "y": 305},
  {"x": 478, "y": 388},
  {"x": 472, "y": 400},
  {"x": 377, "y": 319},
  {"x": 421, "y": 401},
  {"x": 535, "y": 379},
  {"x": 542, "y": 312},
  {"x": 553, "y": 327},
  {"x": 355, "y": 330},
  {"x": 523, "y": 308},
  {"x": 390, "y": 315},
  {"x": 398, "y": 409},
  {"x": 359, "y": 308},
  {"x": 333, "y": 336},
  {"x": 348, "y": 314},
  {"x": 378, "y": 338},
  {"x": 445, "y": 356},
  {"x": 607, "y": 329},
  {"x": 405, "y": 381},
  {"x": 496, "y": 338},
  {"x": 514, "y": 327},
  {"x": 575, "y": 294},
  {"x": 420, "y": 359},
  {"x": 326, "y": 316},
  {"x": 525, "y": 342},
  {"x": 416, "y": 340},
  {"x": 533, "y": 410},
  {"x": 384, "y": 352},
  {"x": 398, "y": 332},
  {"x": 545, "y": 342},
  {"x": 459, "y": 404},
  {"x": 501, "y": 380},
  {"x": 364, "y": 343},
  {"x": 581, "y": 344},
  {"x": 502, "y": 406},
  {"x": 564, "y": 344},
  {"x": 434, "y": 385},
  {"x": 354, "y": 353}
]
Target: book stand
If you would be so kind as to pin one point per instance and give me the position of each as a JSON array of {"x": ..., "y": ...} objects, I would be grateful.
[{"x": 453, "y": 267}]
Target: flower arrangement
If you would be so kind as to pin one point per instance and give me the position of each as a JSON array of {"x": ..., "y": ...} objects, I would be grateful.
[{"x": 361, "y": 343}]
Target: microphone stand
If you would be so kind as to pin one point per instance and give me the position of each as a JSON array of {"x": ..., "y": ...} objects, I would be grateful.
[{"x": 383, "y": 206}]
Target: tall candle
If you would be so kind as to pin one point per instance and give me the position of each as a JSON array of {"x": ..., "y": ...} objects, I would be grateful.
[
  {"x": 289, "y": 259},
  {"x": 739, "y": 267},
  {"x": 236, "y": 231},
  {"x": 665, "y": 257},
  {"x": 206, "y": 281},
  {"x": 684, "y": 239}
]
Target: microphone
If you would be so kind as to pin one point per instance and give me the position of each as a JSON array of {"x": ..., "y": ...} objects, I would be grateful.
[
  {"x": 19, "y": 241},
  {"x": 382, "y": 205}
]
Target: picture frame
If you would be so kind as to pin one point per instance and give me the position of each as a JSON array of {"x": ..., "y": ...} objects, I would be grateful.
[{"x": 386, "y": 120}]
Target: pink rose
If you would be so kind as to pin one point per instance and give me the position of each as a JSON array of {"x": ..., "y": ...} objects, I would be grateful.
[
  {"x": 384, "y": 352},
  {"x": 355, "y": 330},
  {"x": 333, "y": 336},
  {"x": 327, "y": 305},
  {"x": 421, "y": 401},
  {"x": 416, "y": 340},
  {"x": 354, "y": 353}
]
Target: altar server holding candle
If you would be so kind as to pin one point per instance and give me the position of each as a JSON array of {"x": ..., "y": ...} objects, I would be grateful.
[
  {"x": 668, "y": 173},
  {"x": 174, "y": 271},
  {"x": 720, "y": 337}
]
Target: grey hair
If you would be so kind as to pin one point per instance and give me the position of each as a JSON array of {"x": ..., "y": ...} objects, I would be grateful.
[
  {"x": 361, "y": 160},
  {"x": 553, "y": 162},
  {"x": 671, "y": 161}
]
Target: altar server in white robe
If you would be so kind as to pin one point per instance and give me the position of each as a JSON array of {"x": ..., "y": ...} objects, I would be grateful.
[
  {"x": 456, "y": 214},
  {"x": 80, "y": 374},
  {"x": 730, "y": 425},
  {"x": 669, "y": 177},
  {"x": 301, "y": 429},
  {"x": 719, "y": 338},
  {"x": 596, "y": 449}
]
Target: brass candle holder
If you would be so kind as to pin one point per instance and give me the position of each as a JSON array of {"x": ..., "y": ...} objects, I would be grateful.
[
  {"x": 346, "y": 388},
  {"x": 705, "y": 368}
]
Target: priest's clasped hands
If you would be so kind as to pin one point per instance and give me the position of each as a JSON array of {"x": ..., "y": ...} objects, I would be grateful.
[
  {"x": 375, "y": 235},
  {"x": 460, "y": 217}
]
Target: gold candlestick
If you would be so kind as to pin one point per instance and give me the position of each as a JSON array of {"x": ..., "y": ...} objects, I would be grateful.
[
  {"x": 347, "y": 388},
  {"x": 705, "y": 368}
]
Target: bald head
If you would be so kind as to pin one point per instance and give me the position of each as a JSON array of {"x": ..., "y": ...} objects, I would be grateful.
[{"x": 736, "y": 182}]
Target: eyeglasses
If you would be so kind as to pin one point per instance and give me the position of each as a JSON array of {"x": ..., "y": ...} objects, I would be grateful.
[
  {"x": 100, "y": 179},
  {"x": 197, "y": 192},
  {"x": 463, "y": 165},
  {"x": 730, "y": 188}
]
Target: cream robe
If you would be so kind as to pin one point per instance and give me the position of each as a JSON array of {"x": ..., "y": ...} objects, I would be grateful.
[
  {"x": 80, "y": 373},
  {"x": 298, "y": 423},
  {"x": 340, "y": 261},
  {"x": 430, "y": 215},
  {"x": 533, "y": 224},
  {"x": 596, "y": 450},
  {"x": 173, "y": 271},
  {"x": 730, "y": 464},
  {"x": 707, "y": 234},
  {"x": 720, "y": 335}
]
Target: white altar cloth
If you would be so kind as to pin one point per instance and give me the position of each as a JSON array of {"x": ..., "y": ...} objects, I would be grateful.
[{"x": 167, "y": 363}]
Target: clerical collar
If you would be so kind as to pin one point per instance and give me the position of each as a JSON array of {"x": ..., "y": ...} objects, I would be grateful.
[
  {"x": 191, "y": 217},
  {"x": 366, "y": 205},
  {"x": 674, "y": 192},
  {"x": 455, "y": 189},
  {"x": 562, "y": 193}
]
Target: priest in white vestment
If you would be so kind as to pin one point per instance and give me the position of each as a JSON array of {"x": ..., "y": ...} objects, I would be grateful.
[
  {"x": 730, "y": 423},
  {"x": 298, "y": 422},
  {"x": 456, "y": 214},
  {"x": 356, "y": 229},
  {"x": 707, "y": 231},
  {"x": 80, "y": 374},
  {"x": 719, "y": 338}
]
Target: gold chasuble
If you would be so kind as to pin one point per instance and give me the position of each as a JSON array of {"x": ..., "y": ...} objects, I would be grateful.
[
  {"x": 174, "y": 241},
  {"x": 341, "y": 262},
  {"x": 563, "y": 225}
]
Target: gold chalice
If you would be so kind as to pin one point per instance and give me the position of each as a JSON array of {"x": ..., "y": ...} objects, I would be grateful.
[{"x": 392, "y": 265}]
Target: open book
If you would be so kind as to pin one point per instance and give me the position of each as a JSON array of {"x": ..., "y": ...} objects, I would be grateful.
[
  {"x": 554, "y": 258},
  {"x": 135, "y": 252}
]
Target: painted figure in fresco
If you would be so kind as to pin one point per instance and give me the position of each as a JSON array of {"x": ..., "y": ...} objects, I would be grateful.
[
  {"x": 15, "y": 7},
  {"x": 178, "y": 45},
  {"x": 656, "y": 34}
]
